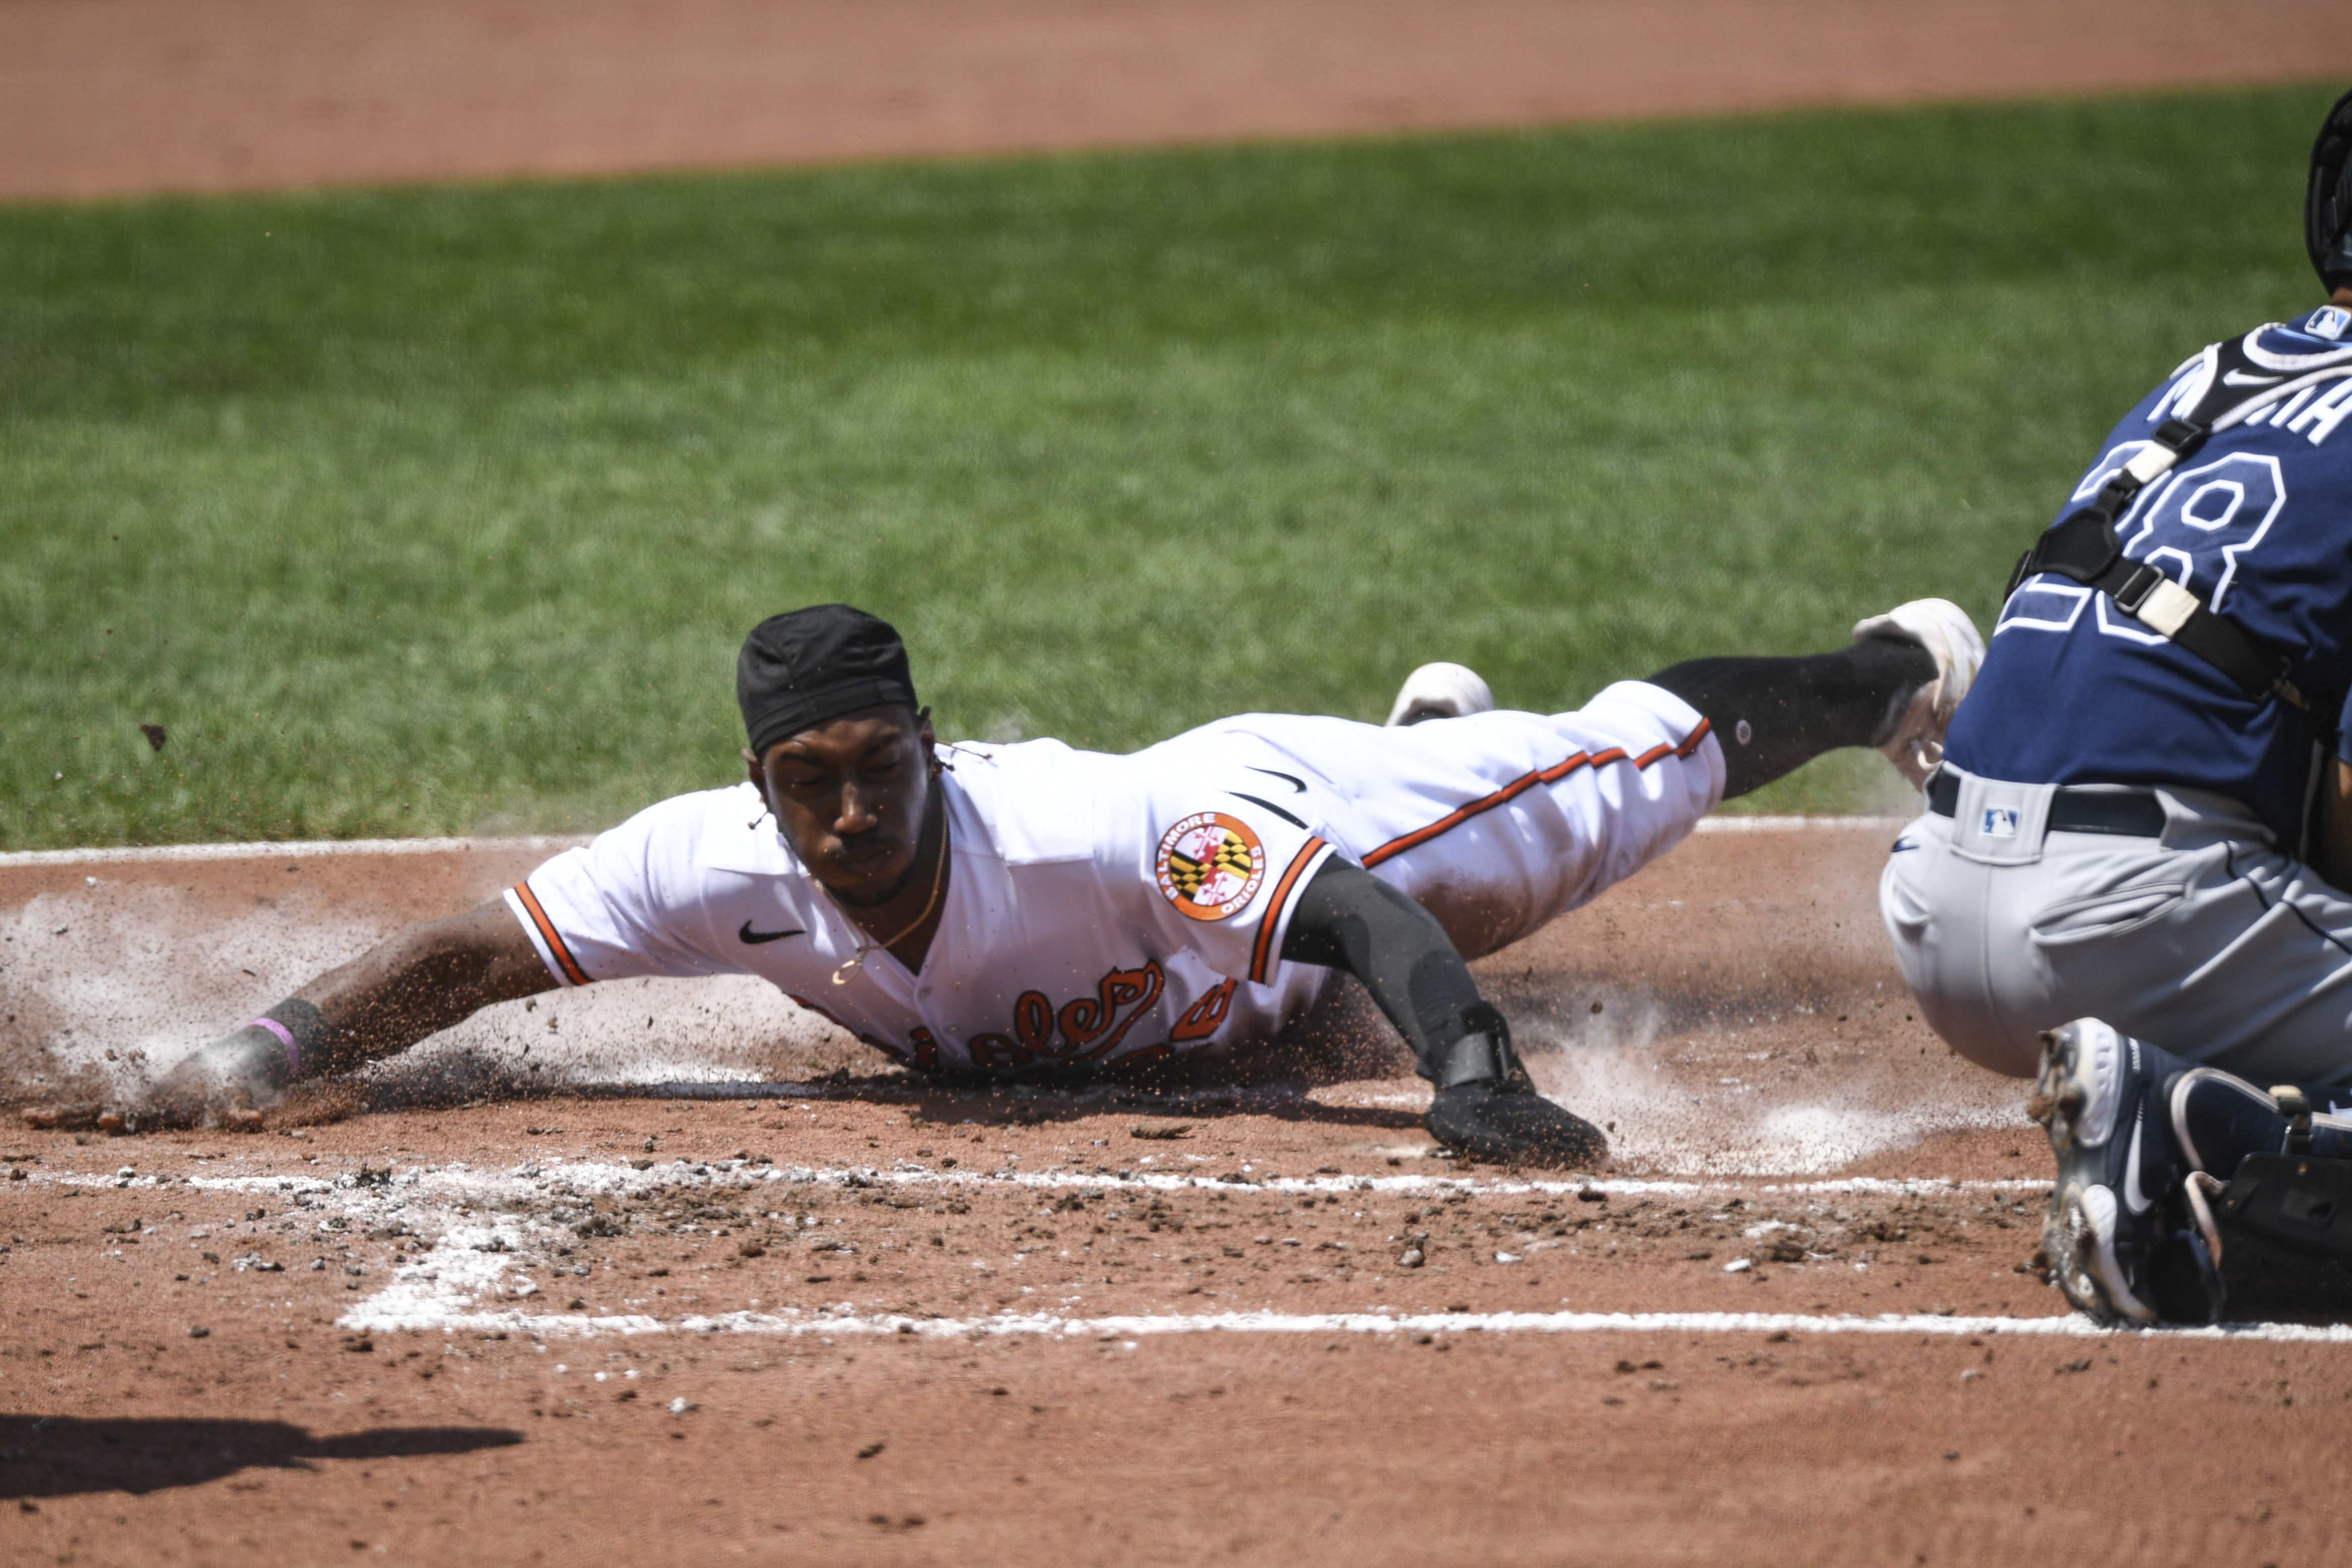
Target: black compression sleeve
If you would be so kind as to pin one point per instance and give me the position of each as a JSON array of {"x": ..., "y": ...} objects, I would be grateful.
[
  {"x": 1796, "y": 709},
  {"x": 1349, "y": 919}
]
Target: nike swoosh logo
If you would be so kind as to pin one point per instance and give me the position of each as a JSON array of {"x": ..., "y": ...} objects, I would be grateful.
[
  {"x": 1297, "y": 784},
  {"x": 2238, "y": 378},
  {"x": 1256, "y": 800},
  {"x": 756, "y": 937},
  {"x": 2134, "y": 1199}
]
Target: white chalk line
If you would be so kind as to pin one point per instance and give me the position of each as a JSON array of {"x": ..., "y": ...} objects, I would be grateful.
[
  {"x": 828, "y": 1324},
  {"x": 467, "y": 1261},
  {"x": 296, "y": 849},
  {"x": 607, "y": 1176}
]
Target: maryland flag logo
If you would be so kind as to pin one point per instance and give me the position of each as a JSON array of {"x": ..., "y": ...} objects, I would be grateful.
[{"x": 1211, "y": 865}]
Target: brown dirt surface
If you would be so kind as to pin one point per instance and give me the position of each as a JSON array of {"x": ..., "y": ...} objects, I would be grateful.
[
  {"x": 641, "y": 1309},
  {"x": 120, "y": 97}
]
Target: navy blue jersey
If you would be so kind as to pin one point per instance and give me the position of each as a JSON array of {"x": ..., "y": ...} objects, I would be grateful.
[{"x": 2258, "y": 524}]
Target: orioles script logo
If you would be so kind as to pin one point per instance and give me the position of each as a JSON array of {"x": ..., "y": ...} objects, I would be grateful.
[
  {"x": 1211, "y": 865},
  {"x": 1090, "y": 1027}
]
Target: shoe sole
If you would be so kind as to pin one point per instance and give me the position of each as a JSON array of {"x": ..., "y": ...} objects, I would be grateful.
[
  {"x": 2079, "y": 1233},
  {"x": 2080, "y": 1238},
  {"x": 2065, "y": 1093}
]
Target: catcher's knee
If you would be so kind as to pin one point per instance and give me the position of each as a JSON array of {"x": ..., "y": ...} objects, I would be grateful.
[{"x": 1976, "y": 1032}]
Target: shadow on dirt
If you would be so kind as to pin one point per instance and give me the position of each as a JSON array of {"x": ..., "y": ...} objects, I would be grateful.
[
  {"x": 1342, "y": 1039},
  {"x": 60, "y": 1456},
  {"x": 2266, "y": 1283},
  {"x": 938, "y": 1099},
  {"x": 943, "y": 1100}
]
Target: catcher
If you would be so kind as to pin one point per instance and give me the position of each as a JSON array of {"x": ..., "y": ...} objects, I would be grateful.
[
  {"x": 1015, "y": 909},
  {"x": 2145, "y": 818}
]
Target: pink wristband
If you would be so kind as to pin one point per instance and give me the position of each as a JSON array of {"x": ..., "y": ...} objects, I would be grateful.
[{"x": 286, "y": 1038}]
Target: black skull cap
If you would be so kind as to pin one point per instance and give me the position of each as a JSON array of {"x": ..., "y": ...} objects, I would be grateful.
[{"x": 804, "y": 666}]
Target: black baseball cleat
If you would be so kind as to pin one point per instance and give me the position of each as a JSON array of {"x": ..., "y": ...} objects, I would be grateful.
[{"x": 2127, "y": 1235}]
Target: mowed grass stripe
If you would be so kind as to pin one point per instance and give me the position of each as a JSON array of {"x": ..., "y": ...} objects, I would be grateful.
[{"x": 442, "y": 510}]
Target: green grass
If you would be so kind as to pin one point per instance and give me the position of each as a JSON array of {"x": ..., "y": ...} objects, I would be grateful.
[{"x": 443, "y": 509}]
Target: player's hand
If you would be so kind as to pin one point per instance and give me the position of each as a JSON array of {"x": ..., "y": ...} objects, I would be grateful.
[
  {"x": 65, "y": 1116},
  {"x": 89, "y": 1115},
  {"x": 227, "y": 1084},
  {"x": 1511, "y": 1123}
]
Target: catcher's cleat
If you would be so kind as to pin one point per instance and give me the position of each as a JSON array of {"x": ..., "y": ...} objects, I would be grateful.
[
  {"x": 1944, "y": 629},
  {"x": 1440, "y": 691},
  {"x": 2127, "y": 1237}
]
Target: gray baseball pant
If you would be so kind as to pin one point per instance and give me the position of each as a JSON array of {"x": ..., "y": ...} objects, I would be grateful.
[{"x": 2205, "y": 941}]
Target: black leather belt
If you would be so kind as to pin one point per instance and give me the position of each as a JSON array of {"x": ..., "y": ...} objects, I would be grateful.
[{"x": 2130, "y": 814}]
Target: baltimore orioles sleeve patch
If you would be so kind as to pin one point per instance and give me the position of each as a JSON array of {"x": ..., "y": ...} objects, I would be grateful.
[{"x": 1211, "y": 865}]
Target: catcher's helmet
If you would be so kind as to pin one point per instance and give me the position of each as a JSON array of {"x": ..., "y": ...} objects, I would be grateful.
[{"x": 2327, "y": 210}]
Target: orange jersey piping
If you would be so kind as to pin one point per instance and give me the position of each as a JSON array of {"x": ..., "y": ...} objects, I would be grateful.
[
  {"x": 1528, "y": 781},
  {"x": 547, "y": 929},
  {"x": 1262, "y": 955}
]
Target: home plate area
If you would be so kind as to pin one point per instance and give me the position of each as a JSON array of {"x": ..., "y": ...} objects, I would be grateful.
[
  {"x": 756, "y": 1296},
  {"x": 702, "y": 1312},
  {"x": 573, "y": 1248}
]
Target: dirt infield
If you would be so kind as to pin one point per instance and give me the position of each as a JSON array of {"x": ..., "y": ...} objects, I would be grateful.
[
  {"x": 478, "y": 1357},
  {"x": 648, "y": 1309},
  {"x": 113, "y": 96}
]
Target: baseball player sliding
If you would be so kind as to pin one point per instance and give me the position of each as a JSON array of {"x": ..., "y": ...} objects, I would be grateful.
[
  {"x": 1009, "y": 909},
  {"x": 2145, "y": 816}
]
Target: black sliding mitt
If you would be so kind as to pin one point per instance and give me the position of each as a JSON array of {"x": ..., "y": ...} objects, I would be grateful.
[{"x": 1487, "y": 1108}]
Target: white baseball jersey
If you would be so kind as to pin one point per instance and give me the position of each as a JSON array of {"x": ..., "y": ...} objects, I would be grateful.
[{"x": 1108, "y": 908}]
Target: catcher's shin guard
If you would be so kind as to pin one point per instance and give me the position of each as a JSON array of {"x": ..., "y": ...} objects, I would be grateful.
[
  {"x": 2296, "y": 1193},
  {"x": 2297, "y": 1202}
]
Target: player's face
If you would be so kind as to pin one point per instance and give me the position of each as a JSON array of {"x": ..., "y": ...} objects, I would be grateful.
[{"x": 850, "y": 796}]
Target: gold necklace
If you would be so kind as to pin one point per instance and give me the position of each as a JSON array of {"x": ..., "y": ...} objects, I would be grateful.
[{"x": 939, "y": 880}]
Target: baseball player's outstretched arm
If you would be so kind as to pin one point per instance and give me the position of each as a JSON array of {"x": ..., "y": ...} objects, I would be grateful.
[
  {"x": 394, "y": 995},
  {"x": 1349, "y": 919}
]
